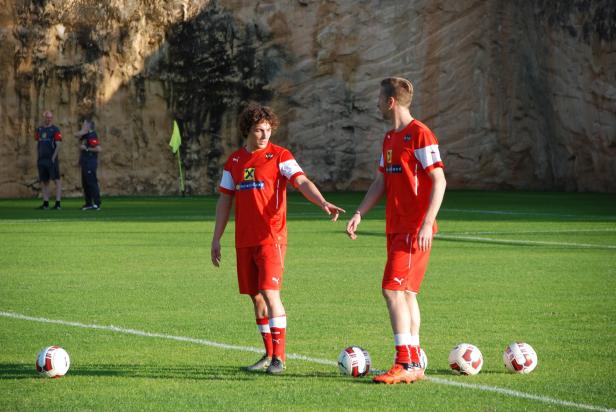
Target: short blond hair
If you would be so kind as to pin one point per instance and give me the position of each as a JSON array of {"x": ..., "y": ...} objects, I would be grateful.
[{"x": 398, "y": 88}]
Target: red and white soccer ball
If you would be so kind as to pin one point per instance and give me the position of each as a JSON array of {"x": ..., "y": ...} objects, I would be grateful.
[
  {"x": 423, "y": 359},
  {"x": 53, "y": 362},
  {"x": 354, "y": 361},
  {"x": 520, "y": 357},
  {"x": 465, "y": 359}
]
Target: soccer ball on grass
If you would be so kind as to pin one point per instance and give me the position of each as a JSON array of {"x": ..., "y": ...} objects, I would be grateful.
[
  {"x": 53, "y": 362},
  {"x": 520, "y": 357},
  {"x": 465, "y": 359},
  {"x": 354, "y": 361}
]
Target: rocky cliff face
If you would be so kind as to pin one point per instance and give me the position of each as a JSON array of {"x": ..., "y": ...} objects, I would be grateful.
[{"x": 520, "y": 97}]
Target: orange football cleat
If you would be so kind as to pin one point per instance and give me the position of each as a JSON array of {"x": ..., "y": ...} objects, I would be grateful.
[{"x": 399, "y": 374}]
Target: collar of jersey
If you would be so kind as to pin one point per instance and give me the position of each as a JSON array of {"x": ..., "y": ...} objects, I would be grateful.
[
  {"x": 269, "y": 145},
  {"x": 402, "y": 132}
]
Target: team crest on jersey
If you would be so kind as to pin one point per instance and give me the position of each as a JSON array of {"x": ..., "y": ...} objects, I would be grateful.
[
  {"x": 44, "y": 135},
  {"x": 407, "y": 138},
  {"x": 249, "y": 173},
  {"x": 389, "y": 156},
  {"x": 269, "y": 155}
]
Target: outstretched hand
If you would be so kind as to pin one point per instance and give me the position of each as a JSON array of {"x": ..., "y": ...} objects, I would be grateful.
[
  {"x": 332, "y": 210},
  {"x": 352, "y": 226}
]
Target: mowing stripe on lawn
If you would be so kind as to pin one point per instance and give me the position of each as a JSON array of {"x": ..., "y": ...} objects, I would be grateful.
[
  {"x": 204, "y": 342},
  {"x": 524, "y": 242},
  {"x": 529, "y": 214}
]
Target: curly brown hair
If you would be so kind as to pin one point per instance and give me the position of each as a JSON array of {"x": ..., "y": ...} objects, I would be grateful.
[{"x": 255, "y": 114}]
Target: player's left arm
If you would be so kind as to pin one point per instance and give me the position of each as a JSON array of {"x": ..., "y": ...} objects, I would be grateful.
[
  {"x": 312, "y": 193},
  {"x": 424, "y": 239},
  {"x": 57, "y": 137},
  {"x": 54, "y": 156},
  {"x": 223, "y": 210}
]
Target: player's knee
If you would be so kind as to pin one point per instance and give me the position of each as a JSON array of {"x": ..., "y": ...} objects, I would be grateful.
[{"x": 392, "y": 295}]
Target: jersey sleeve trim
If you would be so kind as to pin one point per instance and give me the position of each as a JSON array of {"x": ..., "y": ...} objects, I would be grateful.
[
  {"x": 434, "y": 166},
  {"x": 290, "y": 168},
  {"x": 57, "y": 136},
  {"x": 428, "y": 156},
  {"x": 226, "y": 182},
  {"x": 295, "y": 176},
  {"x": 381, "y": 164},
  {"x": 226, "y": 191}
]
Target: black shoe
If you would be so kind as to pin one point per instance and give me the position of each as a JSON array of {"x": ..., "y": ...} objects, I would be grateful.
[
  {"x": 260, "y": 365},
  {"x": 57, "y": 207},
  {"x": 276, "y": 367},
  {"x": 43, "y": 207}
]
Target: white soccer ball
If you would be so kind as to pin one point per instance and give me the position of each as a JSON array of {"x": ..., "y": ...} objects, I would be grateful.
[
  {"x": 423, "y": 359},
  {"x": 354, "y": 361},
  {"x": 465, "y": 359},
  {"x": 520, "y": 357},
  {"x": 53, "y": 362}
]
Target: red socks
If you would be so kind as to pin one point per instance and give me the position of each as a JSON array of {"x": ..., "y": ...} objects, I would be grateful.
[
  {"x": 278, "y": 326},
  {"x": 407, "y": 348},
  {"x": 264, "y": 328}
]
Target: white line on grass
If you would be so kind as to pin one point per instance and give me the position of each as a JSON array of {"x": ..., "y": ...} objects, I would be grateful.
[
  {"x": 531, "y": 214},
  {"x": 518, "y": 394},
  {"x": 524, "y": 242},
  {"x": 204, "y": 342},
  {"x": 534, "y": 232}
]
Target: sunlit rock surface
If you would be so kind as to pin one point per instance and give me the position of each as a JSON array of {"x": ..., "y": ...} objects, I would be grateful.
[{"x": 519, "y": 97}]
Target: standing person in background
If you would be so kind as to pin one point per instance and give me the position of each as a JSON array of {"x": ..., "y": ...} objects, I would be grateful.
[
  {"x": 49, "y": 139},
  {"x": 256, "y": 176},
  {"x": 411, "y": 178},
  {"x": 88, "y": 161}
]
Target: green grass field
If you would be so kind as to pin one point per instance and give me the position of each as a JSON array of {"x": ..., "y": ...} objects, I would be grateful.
[{"x": 535, "y": 267}]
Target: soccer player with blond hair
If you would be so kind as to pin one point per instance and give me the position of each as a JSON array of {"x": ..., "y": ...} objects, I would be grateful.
[
  {"x": 255, "y": 177},
  {"x": 412, "y": 180}
]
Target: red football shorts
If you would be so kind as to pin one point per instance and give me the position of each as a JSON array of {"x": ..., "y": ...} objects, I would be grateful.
[
  {"x": 406, "y": 264},
  {"x": 260, "y": 268}
]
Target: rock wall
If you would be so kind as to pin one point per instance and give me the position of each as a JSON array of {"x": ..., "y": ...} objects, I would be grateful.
[{"x": 522, "y": 95}]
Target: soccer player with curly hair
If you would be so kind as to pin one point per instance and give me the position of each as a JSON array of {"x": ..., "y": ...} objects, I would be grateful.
[{"x": 255, "y": 177}]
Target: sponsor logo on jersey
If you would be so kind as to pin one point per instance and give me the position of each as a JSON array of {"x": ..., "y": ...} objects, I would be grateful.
[
  {"x": 251, "y": 184},
  {"x": 389, "y": 155},
  {"x": 236, "y": 159},
  {"x": 269, "y": 155},
  {"x": 249, "y": 173},
  {"x": 399, "y": 280},
  {"x": 393, "y": 169}
]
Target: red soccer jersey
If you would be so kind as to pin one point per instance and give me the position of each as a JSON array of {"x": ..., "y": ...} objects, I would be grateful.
[
  {"x": 407, "y": 157},
  {"x": 259, "y": 182}
]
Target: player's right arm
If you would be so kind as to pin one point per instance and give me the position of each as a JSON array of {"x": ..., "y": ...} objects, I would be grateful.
[
  {"x": 223, "y": 210},
  {"x": 372, "y": 197}
]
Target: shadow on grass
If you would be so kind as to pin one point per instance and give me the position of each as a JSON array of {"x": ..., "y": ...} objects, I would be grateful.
[{"x": 10, "y": 371}]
